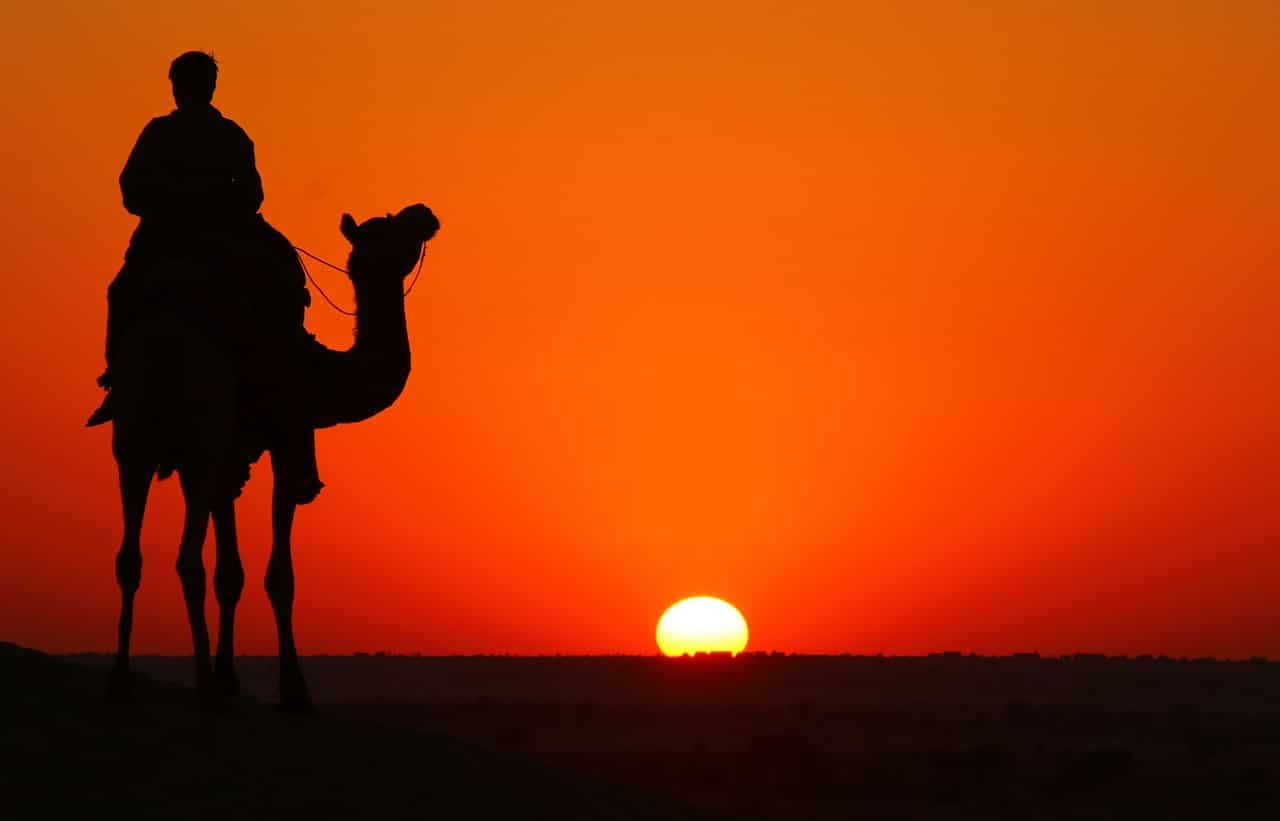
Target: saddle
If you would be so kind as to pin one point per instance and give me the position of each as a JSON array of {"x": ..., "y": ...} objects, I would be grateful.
[{"x": 246, "y": 291}]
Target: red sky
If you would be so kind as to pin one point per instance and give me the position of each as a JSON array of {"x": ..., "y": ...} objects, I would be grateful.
[{"x": 902, "y": 329}]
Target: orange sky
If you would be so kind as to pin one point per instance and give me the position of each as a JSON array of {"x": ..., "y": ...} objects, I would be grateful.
[{"x": 903, "y": 329}]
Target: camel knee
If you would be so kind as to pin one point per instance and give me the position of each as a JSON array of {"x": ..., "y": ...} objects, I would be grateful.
[
  {"x": 191, "y": 571},
  {"x": 228, "y": 581},
  {"x": 129, "y": 568},
  {"x": 279, "y": 585}
]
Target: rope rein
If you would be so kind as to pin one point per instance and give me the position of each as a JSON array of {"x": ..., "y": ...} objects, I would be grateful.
[
  {"x": 422, "y": 255},
  {"x": 315, "y": 284}
]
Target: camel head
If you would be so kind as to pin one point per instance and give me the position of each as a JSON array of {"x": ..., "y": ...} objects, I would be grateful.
[{"x": 388, "y": 246}]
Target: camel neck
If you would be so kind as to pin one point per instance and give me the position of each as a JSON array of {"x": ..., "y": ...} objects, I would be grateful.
[
  {"x": 380, "y": 320},
  {"x": 351, "y": 385}
]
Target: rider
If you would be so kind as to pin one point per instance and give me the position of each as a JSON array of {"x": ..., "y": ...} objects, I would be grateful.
[{"x": 192, "y": 181}]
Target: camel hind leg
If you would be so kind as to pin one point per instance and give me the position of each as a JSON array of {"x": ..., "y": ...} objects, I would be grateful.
[
  {"x": 135, "y": 484},
  {"x": 228, "y": 584},
  {"x": 196, "y": 487},
  {"x": 294, "y": 697}
]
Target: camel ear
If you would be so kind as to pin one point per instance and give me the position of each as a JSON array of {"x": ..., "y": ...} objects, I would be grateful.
[{"x": 349, "y": 228}]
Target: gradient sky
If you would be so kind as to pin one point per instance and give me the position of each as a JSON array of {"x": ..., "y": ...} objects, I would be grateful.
[{"x": 903, "y": 327}]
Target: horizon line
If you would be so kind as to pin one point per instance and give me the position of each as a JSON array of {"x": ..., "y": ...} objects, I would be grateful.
[{"x": 951, "y": 655}]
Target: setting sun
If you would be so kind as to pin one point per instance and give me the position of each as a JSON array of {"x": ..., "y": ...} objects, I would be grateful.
[{"x": 702, "y": 624}]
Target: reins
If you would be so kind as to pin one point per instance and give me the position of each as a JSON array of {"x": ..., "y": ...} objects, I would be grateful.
[{"x": 422, "y": 255}]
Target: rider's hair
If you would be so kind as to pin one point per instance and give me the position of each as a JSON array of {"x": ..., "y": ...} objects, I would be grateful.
[{"x": 194, "y": 75}]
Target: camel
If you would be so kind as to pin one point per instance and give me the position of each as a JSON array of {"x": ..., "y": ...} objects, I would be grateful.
[{"x": 175, "y": 406}]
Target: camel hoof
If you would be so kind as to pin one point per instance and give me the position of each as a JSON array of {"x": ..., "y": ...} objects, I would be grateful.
[
  {"x": 209, "y": 699},
  {"x": 227, "y": 682},
  {"x": 294, "y": 698},
  {"x": 120, "y": 686}
]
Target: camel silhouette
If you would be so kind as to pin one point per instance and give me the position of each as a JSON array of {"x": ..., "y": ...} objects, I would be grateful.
[{"x": 175, "y": 407}]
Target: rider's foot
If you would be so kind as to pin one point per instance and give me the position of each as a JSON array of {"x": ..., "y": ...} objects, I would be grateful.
[
  {"x": 105, "y": 413},
  {"x": 306, "y": 490}
]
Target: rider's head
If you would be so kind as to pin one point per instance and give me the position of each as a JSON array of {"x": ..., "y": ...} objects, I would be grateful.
[{"x": 194, "y": 76}]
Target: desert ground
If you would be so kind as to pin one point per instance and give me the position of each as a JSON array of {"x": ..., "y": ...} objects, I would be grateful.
[
  {"x": 65, "y": 753},
  {"x": 766, "y": 736}
]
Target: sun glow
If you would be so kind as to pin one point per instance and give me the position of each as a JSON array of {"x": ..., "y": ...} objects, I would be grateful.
[{"x": 702, "y": 624}]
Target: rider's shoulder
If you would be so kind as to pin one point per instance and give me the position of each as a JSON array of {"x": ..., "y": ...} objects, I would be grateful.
[
  {"x": 157, "y": 124},
  {"x": 233, "y": 128}
]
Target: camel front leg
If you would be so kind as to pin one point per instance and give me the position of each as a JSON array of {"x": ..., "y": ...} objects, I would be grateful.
[
  {"x": 294, "y": 697},
  {"x": 135, "y": 484},
  {"x": 228, "y": 584}
]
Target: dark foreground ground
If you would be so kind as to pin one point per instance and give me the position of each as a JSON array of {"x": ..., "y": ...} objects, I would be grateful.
[
  {"x": 65, "y": 754},
  {"x": 776, "y": 737}
]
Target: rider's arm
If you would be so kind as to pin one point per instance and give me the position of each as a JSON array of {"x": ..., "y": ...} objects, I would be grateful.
[
  {"x": 142, "y": 183},
  {"x": 246, "y": 183}
]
